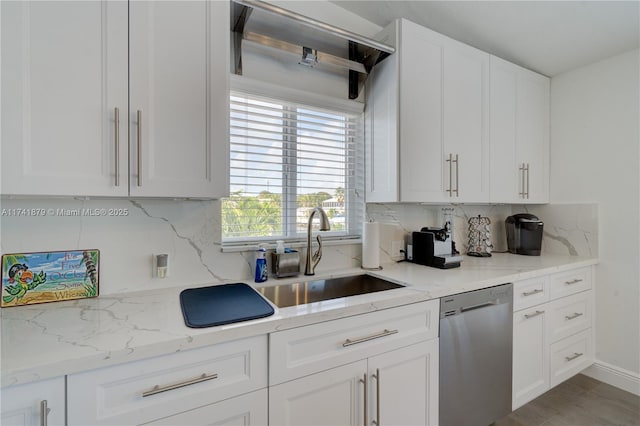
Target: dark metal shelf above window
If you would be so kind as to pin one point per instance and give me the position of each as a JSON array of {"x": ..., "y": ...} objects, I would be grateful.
[{"x": 311, "y": 42}]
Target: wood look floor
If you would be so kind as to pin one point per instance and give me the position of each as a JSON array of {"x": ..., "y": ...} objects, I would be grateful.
[{"x": 580, "y": 401}]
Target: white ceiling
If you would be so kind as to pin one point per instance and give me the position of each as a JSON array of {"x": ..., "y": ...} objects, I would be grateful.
[{"x": 549, "y": 37}]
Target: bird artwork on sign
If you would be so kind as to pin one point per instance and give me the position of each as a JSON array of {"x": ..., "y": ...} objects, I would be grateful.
[{"x": 22, "y": 280}]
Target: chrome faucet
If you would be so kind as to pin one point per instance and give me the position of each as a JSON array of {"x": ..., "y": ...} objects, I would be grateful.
[{"x": 324, "y": 226}]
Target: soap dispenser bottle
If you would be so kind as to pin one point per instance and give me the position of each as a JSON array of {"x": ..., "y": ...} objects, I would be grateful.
[{"x": 261, "y": 265}]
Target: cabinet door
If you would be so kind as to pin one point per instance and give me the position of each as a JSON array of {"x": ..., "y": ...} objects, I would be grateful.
[
  {"x": 530, "y": 354},
  {"x": 506, "y": 177},
  {"x": 23, "y": 405},
  {"x": 519, "y": 134},
  {"x": 404, "y": 385},
  {"x": 533, "y": 134},
  {"x": 244, "y": 410},
  {"x": 179, "y": 53},
  {"x": 333, "y": 397},
  {"x": 465, "y": 105},
  {"x": 64, "y": 73},
  {"x": 381, "y": 134},
  {"x": 420, "y": 114}
]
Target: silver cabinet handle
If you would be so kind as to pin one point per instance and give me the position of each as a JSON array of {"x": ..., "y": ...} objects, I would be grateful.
[
  {"x": 521, "y": 169},
  {"x": 574, "y": 316},
  {"x": 116, "y": 137},
  {"x": 575, "y": 281},
  {"x": 527, "y": 170},
  {"x": 574, "y": 356},
  {"x": 457, "y": 176},
  {"x": 159, "y": 389},
  {"x": 377, "y": 377},
  {"x": 532, "y": 292},
  {"x": 366, "y": 399},
  {"x": 139, "y": 147},
  {"x": 44, "y": 412},
  {"x": 535, "y": 314},
  {"x": 385, "y": 333},
  {"x": 450, "y": 161}
]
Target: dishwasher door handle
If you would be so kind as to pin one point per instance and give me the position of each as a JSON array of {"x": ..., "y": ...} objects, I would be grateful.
[{"x": 478, "y": 306}]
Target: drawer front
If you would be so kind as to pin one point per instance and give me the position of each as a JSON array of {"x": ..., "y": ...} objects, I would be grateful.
[
  {"x": 306, "y": 350},
  {"x": 569, "y": 315},
  {"x": 570, "y": 356},
  {"x": 151, "y": 389},
  {"x": 570, "y": 282},
  {"x": 529, "y": 293}
]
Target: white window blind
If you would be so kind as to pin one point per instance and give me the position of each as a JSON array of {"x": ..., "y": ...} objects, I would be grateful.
[{"x": 286, "y": 159}]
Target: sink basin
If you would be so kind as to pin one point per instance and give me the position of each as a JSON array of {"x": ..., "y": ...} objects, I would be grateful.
[{"x": 315, "y": 291}]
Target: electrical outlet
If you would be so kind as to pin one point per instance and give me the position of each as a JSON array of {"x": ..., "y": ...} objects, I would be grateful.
[{"x": 397, "y": 250}]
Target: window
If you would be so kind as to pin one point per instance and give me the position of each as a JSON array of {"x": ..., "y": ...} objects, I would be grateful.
[{"x": 286, "y": 159}]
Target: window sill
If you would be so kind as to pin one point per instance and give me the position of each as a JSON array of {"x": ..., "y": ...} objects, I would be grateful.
[{"x": 295, "y": 244}]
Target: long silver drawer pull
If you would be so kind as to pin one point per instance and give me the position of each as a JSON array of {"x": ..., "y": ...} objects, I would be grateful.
[
  {"x": 385, "y": 333},
  {"x": 377, "y": 377},
  {"x": 366, "y": 399},
  {"x": 116, "y": 137},
  {"x": 574, "y": 356},
  {"x": 521, "y": 180},
  {"x": 159, "y": 389},
  {"x": 576, "y": 281},
  {"x": 532, "y": 292},
  {"x": 139, "y": 148},
  {"x": 574, "y": 316},
  {"x": 44, "y": 412},
  {"x": 535, "y": 314}
]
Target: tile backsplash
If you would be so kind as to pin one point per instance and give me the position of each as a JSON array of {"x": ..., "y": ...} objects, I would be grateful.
[
  {"x": 189, "y": 232},
  {"x": 570, "y": 229}
]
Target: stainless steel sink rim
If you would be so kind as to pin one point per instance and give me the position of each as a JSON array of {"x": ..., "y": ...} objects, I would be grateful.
[{"x": 300, "y": 293}]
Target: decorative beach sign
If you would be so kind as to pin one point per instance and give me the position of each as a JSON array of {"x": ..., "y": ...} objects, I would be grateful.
[{"x": 29, "y": 278}]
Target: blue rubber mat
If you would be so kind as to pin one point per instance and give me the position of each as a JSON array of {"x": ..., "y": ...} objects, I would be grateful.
[{"x": 222, "y": 304}]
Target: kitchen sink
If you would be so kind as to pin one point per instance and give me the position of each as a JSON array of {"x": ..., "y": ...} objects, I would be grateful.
[{"x": 318, "y": 290}]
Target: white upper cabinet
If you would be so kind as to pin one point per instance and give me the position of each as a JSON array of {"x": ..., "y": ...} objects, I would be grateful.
[
  {"x": 179, "y": 98},
  {"x": 64, "y": 74},
  {"x": 72, "y": 70},
  {"x": 519, "y": 134},
  {"x": 428, "y": 123}
]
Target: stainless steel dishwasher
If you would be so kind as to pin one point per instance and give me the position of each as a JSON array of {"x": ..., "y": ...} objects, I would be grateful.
[{"x": 476, "y": 334}]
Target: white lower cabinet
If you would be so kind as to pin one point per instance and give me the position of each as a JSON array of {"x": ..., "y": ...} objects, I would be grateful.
[
  {"x": 172, "y": 388},
  {"x": 244, "y": 410},
  {"x": 570, "y": 356},
  {"x": 552, "y": 341},
  {"x": 395, "y": 388},
  {"x": 333, "y": 397},
  {"x": 405, "y": 385},
  {"x": 530, "y": 355},
  {"x": 39, "y": 403},
  {"x": 380, "y": 367}
]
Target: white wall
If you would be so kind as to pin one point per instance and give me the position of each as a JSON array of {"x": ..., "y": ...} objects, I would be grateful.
[{"x": 595, "y": 157}]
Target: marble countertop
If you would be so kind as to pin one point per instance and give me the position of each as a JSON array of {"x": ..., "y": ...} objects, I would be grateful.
[{"x": 49, "y": 340}]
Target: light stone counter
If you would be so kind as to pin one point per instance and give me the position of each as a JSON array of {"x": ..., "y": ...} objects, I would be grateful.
[{"x": 49, "y": 340}]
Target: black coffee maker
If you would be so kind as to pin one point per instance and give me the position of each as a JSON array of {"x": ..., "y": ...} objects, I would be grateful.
[{"x": 524, "y": 234}]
